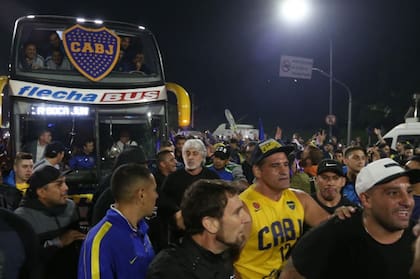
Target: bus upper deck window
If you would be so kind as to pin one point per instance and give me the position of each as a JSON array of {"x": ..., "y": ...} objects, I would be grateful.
[
  {"x": 31, "y": 60},
  {"x": 131, "y": 56},
  {"x": 57, "y": 61}
]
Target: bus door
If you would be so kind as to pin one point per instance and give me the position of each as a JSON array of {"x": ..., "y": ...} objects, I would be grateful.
[
  {"x": 71, "y": 124},
  {"x": 143, "y": 126}
]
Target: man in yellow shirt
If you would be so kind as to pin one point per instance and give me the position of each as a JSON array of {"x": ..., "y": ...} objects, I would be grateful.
[{"x": 277, "y": 213}]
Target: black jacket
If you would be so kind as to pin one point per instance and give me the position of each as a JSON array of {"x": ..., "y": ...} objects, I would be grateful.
[
  {"x": 189, "y": 260},
  {"x": 49, "y": 223},
  {"x": 19, "y": 252},
  {"x": 170, "y": 197}
]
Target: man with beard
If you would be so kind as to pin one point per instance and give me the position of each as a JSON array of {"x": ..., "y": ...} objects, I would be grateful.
[
  {"x": 329, "y": 181},
  {"x": 194, "y": 156},
  {"x": 376, "y": 242},
  {"x": 277, "y": 212},
  {"x": 310, "y": 158},
  {"x": 214, "y": 219}
]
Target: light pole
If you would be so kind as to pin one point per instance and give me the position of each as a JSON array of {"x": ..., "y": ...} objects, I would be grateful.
[
  {"x": 349, "y": 95},
  {"x": 331, "y": 76},
  {"x": 296, "y": 11}
]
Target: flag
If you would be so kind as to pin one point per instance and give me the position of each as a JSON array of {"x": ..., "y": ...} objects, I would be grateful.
[
  {"x": 261, "y": 136},
  {"x": 171, "y": 137},
  {"x": 210, "y": 137},
  {"x": 157, "y": 145}
]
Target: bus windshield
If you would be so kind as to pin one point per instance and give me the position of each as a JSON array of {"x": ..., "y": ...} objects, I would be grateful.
[
  {"x": 85, "y": 81},
  {"x": 40, "y": 52}
]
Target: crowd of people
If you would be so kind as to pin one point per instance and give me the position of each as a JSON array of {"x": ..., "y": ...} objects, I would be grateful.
[
  {"x": 52, "y": 56},
  {"x": 214, "y": 208}
]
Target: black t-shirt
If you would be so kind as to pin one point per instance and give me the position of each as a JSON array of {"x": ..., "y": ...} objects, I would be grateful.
[
  {"x": 190, "y": 261},
  {"x": 171, "y": 195},
  {"x": 343, "y": 202},
  {"x": 247, "y": 169},
  {"x": 175, "y": 185},
  {"x": 343, "y": 249}
]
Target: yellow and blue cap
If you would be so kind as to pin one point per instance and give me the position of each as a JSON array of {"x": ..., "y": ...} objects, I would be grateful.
[{"x": 267, "y": 148}]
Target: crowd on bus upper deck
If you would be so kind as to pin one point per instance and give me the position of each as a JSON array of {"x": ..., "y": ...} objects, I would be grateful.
[
  {"x": 184, "y": 160},
  {"x": 52, "y": 58},
  {"x": 51, "y": 55}
]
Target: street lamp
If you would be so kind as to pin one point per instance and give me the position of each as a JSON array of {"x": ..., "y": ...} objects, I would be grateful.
[
  {"x": 294, "y": 10},
  {"x": 350, "y": 100}
]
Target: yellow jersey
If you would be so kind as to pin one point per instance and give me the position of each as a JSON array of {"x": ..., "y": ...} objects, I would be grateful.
[
  {"x": 276, "y": 226},
  {"x": 22, "y": 187}
]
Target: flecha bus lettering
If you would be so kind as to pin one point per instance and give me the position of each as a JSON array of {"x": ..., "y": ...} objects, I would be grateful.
[
  {"x": 73, "y": 95},
  {"x": 151, "y": 95},
  {"x": 111, "y": 97}
]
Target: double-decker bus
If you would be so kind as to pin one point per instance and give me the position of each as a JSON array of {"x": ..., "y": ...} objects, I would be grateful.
[{"x": 82, "y": 79}]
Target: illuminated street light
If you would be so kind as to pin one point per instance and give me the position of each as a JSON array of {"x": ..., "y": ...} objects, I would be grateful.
[{"x": 294, "y": 10}]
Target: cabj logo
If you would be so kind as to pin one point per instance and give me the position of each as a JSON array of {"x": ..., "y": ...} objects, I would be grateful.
[
  {"x": 93, "y": 52},
  {"x": 291, "y": 204}
]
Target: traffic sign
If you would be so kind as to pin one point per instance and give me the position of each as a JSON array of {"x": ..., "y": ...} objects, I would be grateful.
[
  {"x": 296, "y": 67},
  {"x": 330, "y": 119}
]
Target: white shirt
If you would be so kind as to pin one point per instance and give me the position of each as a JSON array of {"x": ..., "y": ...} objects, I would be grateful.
[{"x": 40, "y": 150}]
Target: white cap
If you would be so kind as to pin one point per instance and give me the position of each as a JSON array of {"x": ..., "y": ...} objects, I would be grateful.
[{"x": 382, "y": 171}]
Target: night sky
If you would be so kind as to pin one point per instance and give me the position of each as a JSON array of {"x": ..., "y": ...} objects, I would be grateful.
[{"x": 226, "y": 54}]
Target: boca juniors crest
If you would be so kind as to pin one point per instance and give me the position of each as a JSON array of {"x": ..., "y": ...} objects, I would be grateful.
[
  {"x": 93, "y": 52},
  {"x": 291, "y": 204}
]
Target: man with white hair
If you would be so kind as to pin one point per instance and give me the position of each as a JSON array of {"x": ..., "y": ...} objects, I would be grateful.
[
  {"x": 194, "y": 155},
  {"x": 375, "y": 242}
]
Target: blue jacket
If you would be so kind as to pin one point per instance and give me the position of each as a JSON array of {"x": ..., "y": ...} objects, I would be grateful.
[
  {"x": 114, "y": 249},
  {"x": 10, "y": 179},
  {"x": 349, "y": 192},
  {"x": 224, "y": 173}
]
